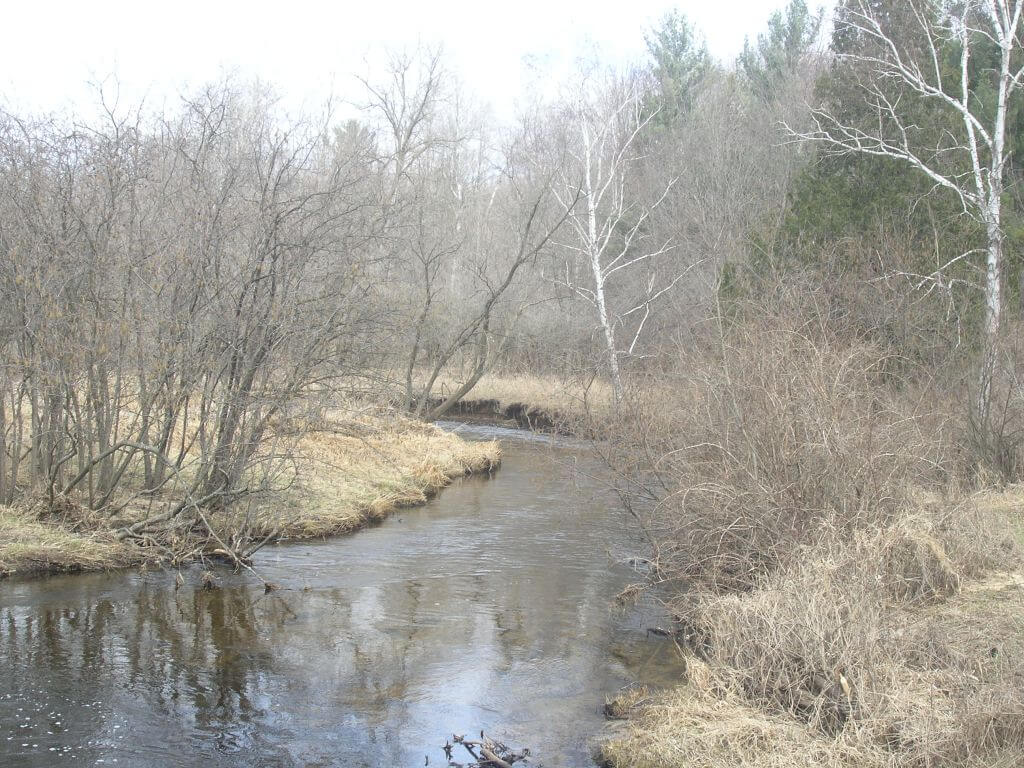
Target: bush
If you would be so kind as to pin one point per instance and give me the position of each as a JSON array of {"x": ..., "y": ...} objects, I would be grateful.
[
  {"x": 785, "y": 432},
  {"x": 803, "y": 519}
]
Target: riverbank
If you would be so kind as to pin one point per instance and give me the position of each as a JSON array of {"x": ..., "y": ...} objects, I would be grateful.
[
  {"x": 373, "y": 648},
  {"x": 540, "y": 403},
  {"x": 937, "y": 713},
  {"x": 347, "y": 473},
  {"x": 930, "y": 640}
]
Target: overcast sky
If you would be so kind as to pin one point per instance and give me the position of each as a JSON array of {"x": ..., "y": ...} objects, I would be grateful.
[{"x": 308, "y": 50}]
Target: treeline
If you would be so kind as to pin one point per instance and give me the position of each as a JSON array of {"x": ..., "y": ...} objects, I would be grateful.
[
  {"x": 171, "y": 286},
  {"x": 183, "y": 290}
]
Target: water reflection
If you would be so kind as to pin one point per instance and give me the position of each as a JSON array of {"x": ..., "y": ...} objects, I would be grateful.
[{"x": 490, "y": 608}]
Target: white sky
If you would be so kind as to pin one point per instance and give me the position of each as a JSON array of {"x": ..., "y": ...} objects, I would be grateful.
[{"x": 309, "y": 49}]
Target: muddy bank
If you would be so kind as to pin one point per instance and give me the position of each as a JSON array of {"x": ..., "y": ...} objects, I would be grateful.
[{"x": 514, "y": 415}]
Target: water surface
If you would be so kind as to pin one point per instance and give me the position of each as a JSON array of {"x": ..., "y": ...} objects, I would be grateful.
[{"x": 489, "y": 608}]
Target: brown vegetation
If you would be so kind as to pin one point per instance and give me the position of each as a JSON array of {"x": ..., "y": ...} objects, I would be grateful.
[
  {"x": 807, "y": 393},
  {"x": 782, "y": 432},
  {"x": 346, "y": 477},
  {"x": 844, "y": 602},
  {"x": 573, "y": 398},
  {"x": 347, "y": 473},
  {"x": 29, "y": 545},
  {"x": 942, "y": 687}
]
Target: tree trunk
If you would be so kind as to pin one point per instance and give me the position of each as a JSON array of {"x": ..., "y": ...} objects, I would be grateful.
[
  {"x": 609, "y": 337},
  {"x": 598, "y": 274},
  {"x": 983, "y": 417}
]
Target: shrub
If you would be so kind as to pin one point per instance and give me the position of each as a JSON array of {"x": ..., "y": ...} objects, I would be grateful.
[{"x": 785, "y": 432}]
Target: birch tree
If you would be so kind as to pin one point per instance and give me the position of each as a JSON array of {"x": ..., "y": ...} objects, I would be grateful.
[
  {"x": 610, "y": 225},
  {"x": 892, "y": 72}
]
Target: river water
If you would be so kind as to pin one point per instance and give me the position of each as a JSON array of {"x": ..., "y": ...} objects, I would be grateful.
[{"x": 489, "y": 608}]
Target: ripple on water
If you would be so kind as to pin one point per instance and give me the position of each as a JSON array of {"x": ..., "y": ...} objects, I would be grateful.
[{"x": 490, "y": 607}]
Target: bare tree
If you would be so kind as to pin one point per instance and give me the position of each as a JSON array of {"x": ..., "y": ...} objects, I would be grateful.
[
  {"x": 611, "y": 224},
  {"x": 515, "y": 222},
  {"x": 892, "y": 70},
  {"x": 172, "y": 287},
  {"x": 464, "y": 218}
]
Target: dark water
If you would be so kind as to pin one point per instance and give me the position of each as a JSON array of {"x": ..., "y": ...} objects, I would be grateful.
[{"x": 489, "y": 608}]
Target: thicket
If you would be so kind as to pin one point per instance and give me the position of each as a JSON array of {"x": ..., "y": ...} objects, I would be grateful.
[
  {"x": 808, "y": 498},
  {"x": 806, "y": 465},
  {"x": 183, "y": 296},
  {"x": 173, "y": 288}
]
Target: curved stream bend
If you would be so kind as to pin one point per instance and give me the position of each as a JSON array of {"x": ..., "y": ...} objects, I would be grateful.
[{"x": 491, "y": 607}]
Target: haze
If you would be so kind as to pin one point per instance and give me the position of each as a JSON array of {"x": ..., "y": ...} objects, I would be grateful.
[{"x": 310, "y": 49}]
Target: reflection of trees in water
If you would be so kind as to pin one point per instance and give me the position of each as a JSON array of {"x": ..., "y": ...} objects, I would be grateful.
[
  {"x": 497, "y": 614},
  {"x": 363, "y": 663},
  {"x": 227, "y": 656},
  {"x": 208, "y": 650},
  {"x": 63, "y": 640}
]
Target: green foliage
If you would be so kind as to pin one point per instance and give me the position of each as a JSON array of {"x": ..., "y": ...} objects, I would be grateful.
[
  {"x": 896, "y": 216},
  {"x": 790, "y": 36},
  {"x": 868, "y": 199},
  {"x": 681, "y": 61}
]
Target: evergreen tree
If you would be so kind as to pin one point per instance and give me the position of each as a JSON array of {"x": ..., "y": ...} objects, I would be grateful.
[
  {"x": 681, "y": 61},
  {"x": 779, "y": 52}
]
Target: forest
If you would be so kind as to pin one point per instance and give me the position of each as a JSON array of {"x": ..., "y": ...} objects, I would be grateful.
[{"x": 781, "y": 296}]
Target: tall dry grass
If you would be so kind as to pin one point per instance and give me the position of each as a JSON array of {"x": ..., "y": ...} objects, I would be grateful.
[
  {"x": 349, "y": 468},
  {"x": 351, "y": 472},
  {"x": 29, "y": 545},
  {"x": 776, "y": 433},
  {"x": 570, "y": 397},
  {"x": 825, "y": 597},
  {"x": 816, "y": 671}
]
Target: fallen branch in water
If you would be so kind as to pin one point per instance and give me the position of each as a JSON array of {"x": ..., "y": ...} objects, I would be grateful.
[{"x": 486, "y": 753}]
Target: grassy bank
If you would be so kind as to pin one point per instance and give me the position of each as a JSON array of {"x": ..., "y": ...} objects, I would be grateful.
[
  {"x": 29, "y": 545},
  {"x": 906, "y": 650},
  {"x": 345, "y": 478},
  {"x": 551, "y": 394},
  {"x": 943, "y": 689},
  {"x": 346, "y": 474},
  {"x": 847, "y": 590}
]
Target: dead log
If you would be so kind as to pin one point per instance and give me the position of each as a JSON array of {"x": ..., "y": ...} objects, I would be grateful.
[{"x": 486, "y": 753}]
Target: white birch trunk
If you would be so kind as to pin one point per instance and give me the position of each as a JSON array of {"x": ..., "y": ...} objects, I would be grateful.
[{"x": 597, "y": 269}]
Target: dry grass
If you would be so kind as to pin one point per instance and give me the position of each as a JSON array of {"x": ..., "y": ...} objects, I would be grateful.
[
  {"x": 838, "y": 615},
  {"x": 899, "y": 645},
  {"x": 349, "y": 474},
  {"x": 554, "y": 395},
  {"x": 703, "y": 729},
  {"x": 927, "y": 685},
  {"x": 28, "y": 545},
  {"x": 352, "y": 469},
  {"x": 826, "y": 638},
  {"x": 1008, "y": 502}
]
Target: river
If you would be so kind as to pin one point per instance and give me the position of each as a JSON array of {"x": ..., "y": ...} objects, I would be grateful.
[{"x": 492, "y": 607}]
